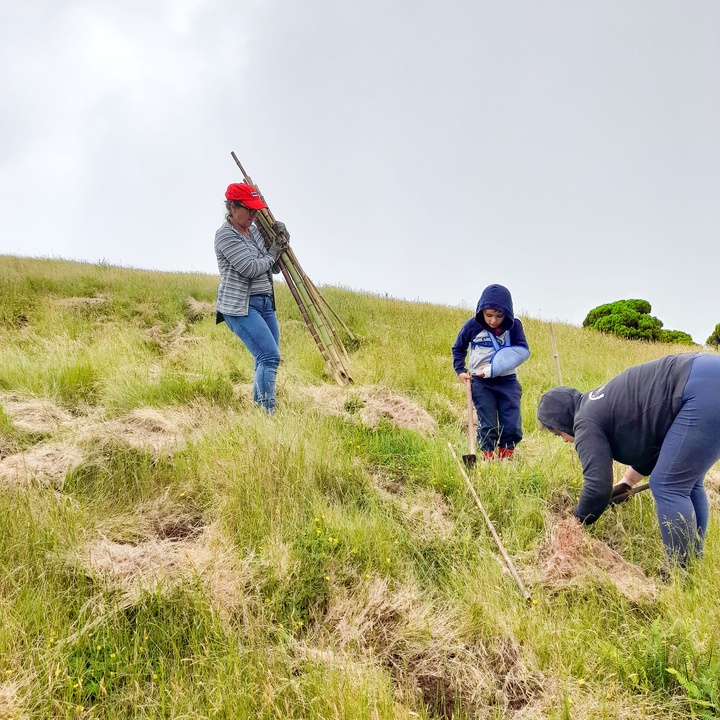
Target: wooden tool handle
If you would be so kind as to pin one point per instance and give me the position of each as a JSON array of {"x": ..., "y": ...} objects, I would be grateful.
[{"x": 471, "y": 416}]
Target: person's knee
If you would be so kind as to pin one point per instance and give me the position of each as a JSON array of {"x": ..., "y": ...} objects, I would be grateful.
[{"x": 269, "y": 358}]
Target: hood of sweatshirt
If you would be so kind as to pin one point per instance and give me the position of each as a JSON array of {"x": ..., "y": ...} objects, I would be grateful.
[
  {"x": 557, "y": 408},
  {"x": 496, "y": 297}
]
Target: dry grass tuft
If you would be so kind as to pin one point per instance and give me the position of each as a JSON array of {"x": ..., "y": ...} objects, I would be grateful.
[
  {"x": 426, "y": 512},
  {"x": 569, "y": 556},
  {"x": 38, "y": 415},
  {"x": 368, "y": 619},
  {"x": 150, "y": 565},
  {"x": 167, "y": 518},
  {"x": 160, "y": 565},
  {"x": 43, "y": 465},
  {"x": 433, "y": 663},
  {"x": 158, "y": 431},
  {"x": 173, "y": 342},
  {"x": 198, "y": 310},
  {"x": 429, "y": 515},
  {"x": 712, "y": 485},
  {"x": 372, "y": 405},
  {"x": 81, "y": 302},
  {"x": 572, "y": 701},
  {"x": 329, "y": 657},
  {"x": 9, "y": 702}
]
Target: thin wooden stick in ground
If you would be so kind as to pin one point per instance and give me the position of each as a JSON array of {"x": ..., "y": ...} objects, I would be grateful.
[
  {"x": 491, "y": 527},
  {"x": 556, "y": 357}
]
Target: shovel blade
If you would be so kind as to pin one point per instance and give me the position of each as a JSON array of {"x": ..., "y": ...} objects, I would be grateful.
[{"x": 469, "y": 460}]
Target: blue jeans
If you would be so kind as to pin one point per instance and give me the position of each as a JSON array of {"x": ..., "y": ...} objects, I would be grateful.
[
  {"x": 497, "y": 404},
  {"x": 690, "y": 448},
  {"x": 260, "y": 333}
]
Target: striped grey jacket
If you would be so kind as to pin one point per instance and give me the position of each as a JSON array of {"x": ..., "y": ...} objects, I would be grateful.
[{"x": 241, "y": 261}]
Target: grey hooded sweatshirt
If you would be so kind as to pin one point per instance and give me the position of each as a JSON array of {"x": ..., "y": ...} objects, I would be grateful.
[{"x": 626, "y": 420}]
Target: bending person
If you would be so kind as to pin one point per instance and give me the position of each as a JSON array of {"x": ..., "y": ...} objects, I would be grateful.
[{"x": 661, "y": 418}]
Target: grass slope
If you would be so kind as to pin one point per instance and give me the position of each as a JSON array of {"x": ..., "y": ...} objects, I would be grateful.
[{"x": 168, "y": 551}]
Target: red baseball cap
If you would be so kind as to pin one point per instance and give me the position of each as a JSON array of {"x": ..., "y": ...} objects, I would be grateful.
[{"x": 246, "y": 194}]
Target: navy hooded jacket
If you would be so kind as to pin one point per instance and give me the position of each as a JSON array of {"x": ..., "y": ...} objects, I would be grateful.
[
  {"x": 504, "y": 351},
  {"x": 626, "y": 420}
]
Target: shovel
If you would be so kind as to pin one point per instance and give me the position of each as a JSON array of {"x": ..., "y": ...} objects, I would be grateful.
[
  {"x": 471, "y": 458},
  {"x": 633, "y": 491}
]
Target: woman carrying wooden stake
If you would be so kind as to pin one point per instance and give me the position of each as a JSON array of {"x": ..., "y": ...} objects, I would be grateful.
[
  {"x": 246, "y": 301},
  {"x": 660, "y": 417}
]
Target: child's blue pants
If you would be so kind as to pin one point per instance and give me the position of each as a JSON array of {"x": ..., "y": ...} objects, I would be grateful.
[
  {"x": 497, "y": 403},
  {"x": 691, "y": 447}
]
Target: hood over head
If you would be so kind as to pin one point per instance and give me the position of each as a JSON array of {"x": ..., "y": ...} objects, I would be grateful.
[
  {"x": 496, "y": 297},
  {"x": 557, "y": 408}
]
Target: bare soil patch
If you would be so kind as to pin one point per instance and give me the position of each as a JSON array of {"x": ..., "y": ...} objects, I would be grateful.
[{"x": 570, "y": 556}]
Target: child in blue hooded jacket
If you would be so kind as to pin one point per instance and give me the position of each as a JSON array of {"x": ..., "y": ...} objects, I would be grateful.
[{"x": 497, "y": 345}]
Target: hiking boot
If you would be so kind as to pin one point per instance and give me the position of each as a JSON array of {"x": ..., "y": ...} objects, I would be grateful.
[
  {"x": 488, "y": 455},
  {"x": 506, "y": 453}
]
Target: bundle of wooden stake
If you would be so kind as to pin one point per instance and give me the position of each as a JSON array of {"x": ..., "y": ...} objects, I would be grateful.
[{"x": 313, "y": 306}]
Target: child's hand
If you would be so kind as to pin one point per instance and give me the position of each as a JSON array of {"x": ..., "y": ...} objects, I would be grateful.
[
  {"x": 483, "y": 371},
  {"x": 465, "y": 377}
]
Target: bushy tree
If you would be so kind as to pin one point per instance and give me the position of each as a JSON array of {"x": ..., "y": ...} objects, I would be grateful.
[
  {"x": 678, "y": 337},
  {"x": 627, "y": 318},
  {"x": 631, "y": 319},
  {"x": 714, "y": 339}
]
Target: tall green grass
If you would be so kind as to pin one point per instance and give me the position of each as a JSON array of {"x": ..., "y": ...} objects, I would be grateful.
[{"x": 331, "y": 568}]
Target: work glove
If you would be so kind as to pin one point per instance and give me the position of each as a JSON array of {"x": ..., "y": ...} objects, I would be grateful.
[
  {"x": 278, "y": 245},
  {"x": 281, "y": 231},
  {"x": 620, "y": 493}
]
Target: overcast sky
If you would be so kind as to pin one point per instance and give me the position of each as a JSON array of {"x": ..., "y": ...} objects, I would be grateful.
[{"x": 567, "y": 149}]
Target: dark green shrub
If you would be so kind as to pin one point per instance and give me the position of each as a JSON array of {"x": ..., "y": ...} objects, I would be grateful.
[
  {"x": 678, "y": 337},
  {"x": 631, "y": 319},
  {"x": 627, "y": 318},
  {"x": 714, "y": 339}
]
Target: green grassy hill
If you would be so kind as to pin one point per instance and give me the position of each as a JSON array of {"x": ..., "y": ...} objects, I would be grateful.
[{"x": 169, "y": 551}]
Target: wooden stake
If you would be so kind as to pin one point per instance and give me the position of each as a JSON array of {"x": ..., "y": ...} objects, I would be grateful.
[
  {"x": 555, "y": 355},
  {"x": 496, "y": 537}
]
